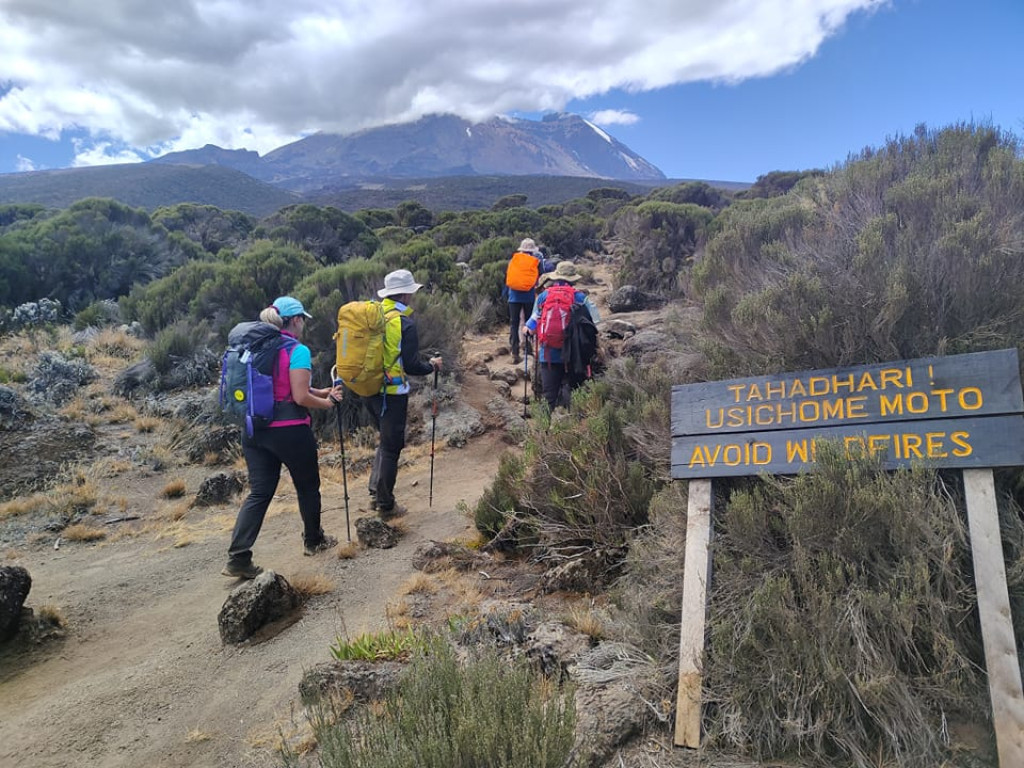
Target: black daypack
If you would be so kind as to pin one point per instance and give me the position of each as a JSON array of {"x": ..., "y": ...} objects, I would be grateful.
[
  {"x": 247, "y": 376},
  {"x": 580, "y": 342}
]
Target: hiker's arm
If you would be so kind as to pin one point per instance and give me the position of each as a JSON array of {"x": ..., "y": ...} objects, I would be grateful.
[
  {"x": 531, "y": 323},
  {"x": 411, "y": 363},
  {"x": 306, "y": 396},
  {"x": 595, "y": 314}
]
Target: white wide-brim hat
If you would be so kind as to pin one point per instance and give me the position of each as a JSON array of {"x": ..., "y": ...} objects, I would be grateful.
[{"x": 397, "y": 283}]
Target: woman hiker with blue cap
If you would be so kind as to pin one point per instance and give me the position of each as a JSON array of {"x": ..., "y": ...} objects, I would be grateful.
[{"x": 288, "y": 440}]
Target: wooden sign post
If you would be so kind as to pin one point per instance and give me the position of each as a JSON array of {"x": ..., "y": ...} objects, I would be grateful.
[{"x": 961, "y": 411}]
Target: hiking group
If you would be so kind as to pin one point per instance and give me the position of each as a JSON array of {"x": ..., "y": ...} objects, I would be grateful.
[
  {"x": 266, "y": 378},
  {"x": 544, "y": 303}
]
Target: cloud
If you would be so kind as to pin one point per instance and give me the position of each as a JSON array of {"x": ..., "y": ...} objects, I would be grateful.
[
  {"x": 260, "y": 73},
  {"x": 24, "y": 164},
  {"x": 614, "y": 117},
  {"x": 102, "y": 153}
]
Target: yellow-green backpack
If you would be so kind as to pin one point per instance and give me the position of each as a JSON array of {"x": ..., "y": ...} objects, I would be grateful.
[{"x": 360, "y": 346}]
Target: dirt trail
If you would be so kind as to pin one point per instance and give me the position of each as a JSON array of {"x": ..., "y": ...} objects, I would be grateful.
[{"x": 143, "y": 678}]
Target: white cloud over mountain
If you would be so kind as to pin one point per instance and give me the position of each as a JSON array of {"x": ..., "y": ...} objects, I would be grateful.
[{"x": 143, "y": 78}]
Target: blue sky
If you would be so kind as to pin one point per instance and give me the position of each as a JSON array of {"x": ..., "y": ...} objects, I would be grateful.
[{"x": 711, "y": 89}]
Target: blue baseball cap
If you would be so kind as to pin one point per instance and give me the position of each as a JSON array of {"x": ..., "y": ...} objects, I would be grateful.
[{"x": 286, "y": 306}]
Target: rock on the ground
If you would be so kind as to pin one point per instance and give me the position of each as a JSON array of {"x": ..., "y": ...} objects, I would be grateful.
[
  {"x": 15, "y": 584},
  {"x": 375, "y": 533},
  {"x": 218, "y": 489},
  {"x": 606, "y": 717},
  {"x": 254, "y": 604},
  {"x": 554, "y": 647},
  {"x": 628, "y": 298},
  {"x": 38, "y": 452},
  {"x": 366, "y": 681}
]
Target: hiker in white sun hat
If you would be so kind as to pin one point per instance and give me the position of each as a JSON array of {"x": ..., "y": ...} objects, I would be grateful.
[
  {"x": 389, "y": 407},
  {"x": 521, "y": 274}
]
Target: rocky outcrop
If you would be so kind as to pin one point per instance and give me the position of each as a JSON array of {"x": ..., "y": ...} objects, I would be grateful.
[
  {"x": 365, "y": 681},
  {"x": 254, "y": 604}
]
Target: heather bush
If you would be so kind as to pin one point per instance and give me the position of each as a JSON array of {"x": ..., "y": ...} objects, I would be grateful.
[
  {"x": 490, "y": 712},
  {"x": 911, "y": 250}
]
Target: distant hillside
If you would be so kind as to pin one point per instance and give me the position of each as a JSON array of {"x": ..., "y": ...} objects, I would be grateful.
[
  {"x": 147, "y": 185},
  {"x": 439, "y": 146},
  {"x": 460, "y": 193}
]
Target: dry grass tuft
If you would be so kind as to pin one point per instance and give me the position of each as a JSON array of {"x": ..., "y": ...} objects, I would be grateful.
[
  {"x": 420, "y": 583},
  {"x": 174, "y": 489},
  {"x": 311, "y": 584},
  {"x": 586, "y": 619},
  {"x": 348, "y": 550},
  {"x": 52, "y": 615},
  {"x": 146, "y": 424},
  {"x": 83, "y": 532},
  {"x": 197, "y": 736}
]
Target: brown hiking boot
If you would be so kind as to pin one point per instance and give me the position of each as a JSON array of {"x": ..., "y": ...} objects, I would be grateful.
[
  {"x": 242, "y": 571},
  {"x": 321, "y": 546},
  {"x": 396, "y": 511}
]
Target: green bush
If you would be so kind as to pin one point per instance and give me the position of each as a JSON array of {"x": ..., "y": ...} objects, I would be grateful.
[
  {"x": 842, "y": 616},
  {"x": 491, "y": 712},
  {"x": 908, "y": 251}
]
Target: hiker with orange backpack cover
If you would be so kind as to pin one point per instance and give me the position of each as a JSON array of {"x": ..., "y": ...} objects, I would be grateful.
[
  {"x": 524, "y": 268},
  {"x": 549, "y": 321}
]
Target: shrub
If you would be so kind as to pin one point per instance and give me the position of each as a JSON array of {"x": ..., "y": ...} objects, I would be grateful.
[
  {"x": 908, "y": 251},
  {"x": 490, "y": 712},
  {"x": 842, "y": 604}
]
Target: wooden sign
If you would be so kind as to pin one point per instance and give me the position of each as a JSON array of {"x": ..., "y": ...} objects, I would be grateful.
[{"x": 961, "y": 411}]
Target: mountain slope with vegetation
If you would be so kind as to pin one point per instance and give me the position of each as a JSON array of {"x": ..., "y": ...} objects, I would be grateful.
[{"x": 842, "y": 626}]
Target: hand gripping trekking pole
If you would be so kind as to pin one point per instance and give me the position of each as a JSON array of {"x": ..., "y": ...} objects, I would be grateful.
[
  {"x": 341, "y": 439},
  {"x": 433, "y": 431}
]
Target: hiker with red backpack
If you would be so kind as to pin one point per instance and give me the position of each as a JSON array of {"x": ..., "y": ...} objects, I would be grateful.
[
  {"x": 550, "y": 321},
  {"x": 524, "y": 268},
  {"x": 287, "y": 440},
  {"x": 390, "y": 407}
]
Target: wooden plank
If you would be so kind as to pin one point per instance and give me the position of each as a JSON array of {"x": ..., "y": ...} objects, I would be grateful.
[
  {"x": 1004, "y": 679},
  {"x": 696, "y": 578},
  {"x": 992, "y": 441},
  {"x": 975, "y": 384}
]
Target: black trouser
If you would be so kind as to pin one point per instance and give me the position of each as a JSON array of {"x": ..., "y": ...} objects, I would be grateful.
[
  {"x": 265, "y": 452},
  {"x": 552, "y": 376},
  {"x": 518, "y": 314},
  {"x": 388, "y": 413}
]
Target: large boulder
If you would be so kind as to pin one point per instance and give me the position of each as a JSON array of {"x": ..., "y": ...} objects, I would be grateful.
[
  {"x": 15, "y": 584},
  {"x": 254, "y": 604},
  {"x": 628, "y": 298}
]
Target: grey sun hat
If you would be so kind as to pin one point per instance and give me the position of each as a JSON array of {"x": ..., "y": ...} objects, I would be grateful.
[
  {"x": 527, "y": 245},
  {"x": 397, "y": 283}
]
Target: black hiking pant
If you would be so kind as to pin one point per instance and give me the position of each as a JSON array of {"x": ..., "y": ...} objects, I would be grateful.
[
  {"x": 552, "y": 378},
  {"x": 518, "y": 314},
  {"x": 389, "y": 413},
  {"x": 265, "y": 452}
]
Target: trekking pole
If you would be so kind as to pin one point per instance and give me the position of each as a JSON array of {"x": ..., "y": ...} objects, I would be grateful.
[
  {"x": 344, "y": 474},
  {"x": 526, "y": 381},
  {"x": 433, "y": 431}
]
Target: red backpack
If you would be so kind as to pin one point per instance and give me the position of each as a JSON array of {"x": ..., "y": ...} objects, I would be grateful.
[{"x": 554, "y": 315}]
